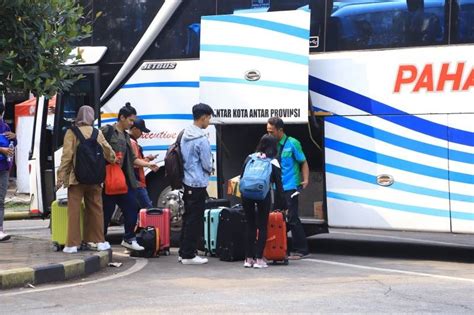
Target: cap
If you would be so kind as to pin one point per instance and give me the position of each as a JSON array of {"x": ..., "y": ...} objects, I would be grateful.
[{"x": 140, "y": 124}]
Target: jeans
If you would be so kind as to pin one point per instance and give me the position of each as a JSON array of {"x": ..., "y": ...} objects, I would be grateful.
[
  {"x": 128, "y": 203},
  {"x": 3, "y": 192},
  {"x": 194, "y": 204},
  {"x": 256, "y": 220},
  {"x": 143, "y": 199},
  {"x": 298, "y": 238}
]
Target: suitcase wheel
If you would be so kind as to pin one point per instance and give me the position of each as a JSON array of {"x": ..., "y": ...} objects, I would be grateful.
[{"x": 56, "y": 247}]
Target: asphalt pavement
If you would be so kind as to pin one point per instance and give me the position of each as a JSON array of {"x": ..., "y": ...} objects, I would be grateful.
[{"x": 346, "y": 273}]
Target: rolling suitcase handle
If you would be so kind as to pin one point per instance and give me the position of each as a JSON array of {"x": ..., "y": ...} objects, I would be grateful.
[{"x": 156, "y": 211}]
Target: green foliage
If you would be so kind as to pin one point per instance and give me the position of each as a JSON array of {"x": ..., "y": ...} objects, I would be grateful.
[{"x": 36, "y": 38}]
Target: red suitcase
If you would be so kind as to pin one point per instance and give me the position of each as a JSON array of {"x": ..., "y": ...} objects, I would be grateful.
[
  {"x": 275, "y": 248},
  {"x": 160, "y": 219}
]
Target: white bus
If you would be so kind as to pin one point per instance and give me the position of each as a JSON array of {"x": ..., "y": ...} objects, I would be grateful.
[{"x": 387, "y": 128}]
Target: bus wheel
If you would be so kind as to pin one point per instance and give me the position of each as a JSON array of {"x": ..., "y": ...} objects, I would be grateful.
[
  {"x": 173, "y": 200},
  {"x": 162, "y": 195}
]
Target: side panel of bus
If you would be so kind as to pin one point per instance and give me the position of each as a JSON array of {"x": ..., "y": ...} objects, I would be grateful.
[
  {"x": 163, "y": 94},
  {"x": 399, "y": 147},
  {"x": 461, "y": 164}
]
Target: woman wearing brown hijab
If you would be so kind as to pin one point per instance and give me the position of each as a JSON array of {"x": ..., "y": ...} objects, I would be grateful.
[{"x": 92, "y": 194}]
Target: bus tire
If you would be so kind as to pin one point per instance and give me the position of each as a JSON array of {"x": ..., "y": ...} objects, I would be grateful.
[{"x": 162, "y": 195}]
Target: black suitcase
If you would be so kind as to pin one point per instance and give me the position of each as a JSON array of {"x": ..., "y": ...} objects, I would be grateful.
[
  {"x": 213, "y": 203},
  {"x": 231, "y": 234}
]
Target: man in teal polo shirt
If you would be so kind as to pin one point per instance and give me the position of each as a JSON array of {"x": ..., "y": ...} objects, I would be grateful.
[{"x": 295, "y": 174}]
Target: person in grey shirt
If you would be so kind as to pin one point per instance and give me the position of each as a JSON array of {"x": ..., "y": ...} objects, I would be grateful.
[{"x": 197, "y": 163}]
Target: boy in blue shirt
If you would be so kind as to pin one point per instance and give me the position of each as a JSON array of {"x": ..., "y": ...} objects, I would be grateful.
[{"x": 197, "y": 164}]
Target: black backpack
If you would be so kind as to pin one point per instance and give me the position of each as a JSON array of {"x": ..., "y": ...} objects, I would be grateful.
[
  {"x": 149, "y": 238},
  {"x": 174, "y": 169},
  {"x": 90, "y": 162}
]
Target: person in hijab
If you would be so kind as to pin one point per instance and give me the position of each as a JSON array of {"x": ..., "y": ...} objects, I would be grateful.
[{"x": 92, "y": 194}]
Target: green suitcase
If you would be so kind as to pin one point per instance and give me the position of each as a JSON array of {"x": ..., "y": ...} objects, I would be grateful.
[{"x": 59, "y": 223}]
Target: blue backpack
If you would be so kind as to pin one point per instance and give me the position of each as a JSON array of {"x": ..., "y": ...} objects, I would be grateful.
[{"x": 255, "y": 182}]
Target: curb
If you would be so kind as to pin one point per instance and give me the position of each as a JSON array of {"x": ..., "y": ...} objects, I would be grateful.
[
  {"x": 67, "y": 270},
  {"x": 17, "y": 215}
]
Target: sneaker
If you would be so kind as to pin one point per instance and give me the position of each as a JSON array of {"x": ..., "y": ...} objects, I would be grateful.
[
  {"x": 180, "y": 259},
  {"x": 194, "y": 261},
  {"x": 133, "y": 245},
  {"x": 92, "y": 245},
  {"x": 259, "y": 264},
  {"x": 103, "y": 246},
  {"x": 248, "y": 263},
  {"x": 70, "y": 250},
  {"x": 4, "y": 236}
]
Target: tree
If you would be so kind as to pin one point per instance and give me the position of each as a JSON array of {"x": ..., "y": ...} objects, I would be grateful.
[{"x": 36, "y": 39}]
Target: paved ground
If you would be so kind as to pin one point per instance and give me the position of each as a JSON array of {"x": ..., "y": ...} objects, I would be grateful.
[{"x": 346, "y": 273}]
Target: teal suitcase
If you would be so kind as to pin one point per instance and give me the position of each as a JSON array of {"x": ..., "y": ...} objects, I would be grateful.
[{"x": 211, "y": 222}]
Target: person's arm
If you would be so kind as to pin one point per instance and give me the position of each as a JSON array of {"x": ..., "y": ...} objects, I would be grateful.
[
  {"x": 280, "y": 200},
  {"x": 205, "y": 156},
  {"x": 143, "y": 163},
  {"x": 109, "y": 153},
  {"x": 305, "y": 174},
  {"x": 301, "y": 159},
  {"x": 66, "y": 158},
  {"x": 10, "y": 135}
]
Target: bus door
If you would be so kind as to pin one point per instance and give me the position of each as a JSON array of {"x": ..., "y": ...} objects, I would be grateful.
[
  {"x": 461, "y": 172},
  {"x": 85, "y": 91},
  {"x": 48, "y": 135}
]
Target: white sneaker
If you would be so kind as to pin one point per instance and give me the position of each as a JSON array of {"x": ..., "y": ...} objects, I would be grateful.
[
  {"x": 133, "y": 245},
  {"x": 92, "y": 245},
  {"x": 194, "y": 261},
  {"x": 103, "y": 246},
  {"x": 180, "y": 259},
  {"x": 4, "y": 236},
  {"x": 248, "y": 263},
  {"x": 70, "y": 250},
  {"x": 259, "y": 264}
]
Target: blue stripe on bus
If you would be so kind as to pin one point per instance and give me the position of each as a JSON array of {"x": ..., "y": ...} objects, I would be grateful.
[
  {"x": 268, "y": 25},
  {"x": 397, "y": 163},
  {"x": 185, "y": 84},
  {"x": 402, "y": 207},
  {"x": 400, "y": 141},
  {"x": 274, "y": 84},
  {"x": 258, "y": 52},
  {"x": 371, "y": 106},
  {"x": 371, "y": 179},
  {"x": 165, "y": 147},
  {"x": 156, "y": 116},
  {"x": 168, "y": 116}
]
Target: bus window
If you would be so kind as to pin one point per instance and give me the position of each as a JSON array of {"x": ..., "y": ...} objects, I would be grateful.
[
  {"x": 382, "y": 24},
  {"x": 180, "y": 37},
  {"x": 81, "y": 93},
  {"x": 121, "y": 24},
  {"x": 317, "y": 7},
  {"x": 465, "y": 22}
]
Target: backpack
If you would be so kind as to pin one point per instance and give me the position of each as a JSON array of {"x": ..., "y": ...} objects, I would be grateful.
[
  {"x": 255, "y": 182},
  {"x": 174, "y": 168},
  {"x": 90, "y": 162},
  {"x": 149, "y": 238}
]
